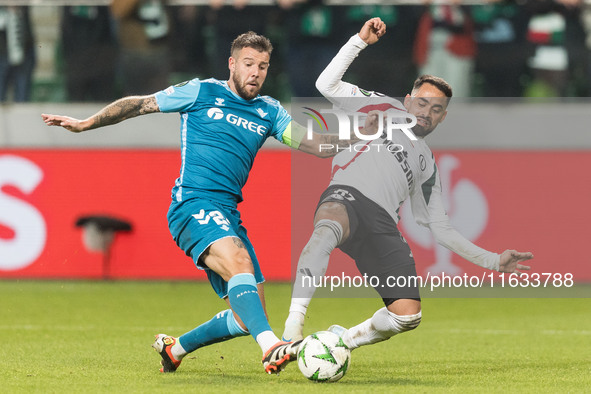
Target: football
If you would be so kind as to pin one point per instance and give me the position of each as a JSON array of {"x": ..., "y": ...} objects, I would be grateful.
[{"x": 323, "y": 357}]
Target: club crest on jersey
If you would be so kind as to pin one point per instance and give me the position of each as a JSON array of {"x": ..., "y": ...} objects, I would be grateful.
[
  {"x": 261, "y": 112},
  {"x": 422, "y": 162}
]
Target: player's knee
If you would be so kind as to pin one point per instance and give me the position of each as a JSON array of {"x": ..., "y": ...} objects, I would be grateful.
[
  {"x": 409, "y": 322},
  {"x": 239, "y": 262},
  {"x": 327, "y": 234},
  {"x": 389, "y": 324},
  {"x": 334, "y": 212}
]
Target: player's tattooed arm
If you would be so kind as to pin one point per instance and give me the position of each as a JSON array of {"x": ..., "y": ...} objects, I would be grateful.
[
  {"x": 125, "y": 108},
  {"x": 122, "y": 109}
]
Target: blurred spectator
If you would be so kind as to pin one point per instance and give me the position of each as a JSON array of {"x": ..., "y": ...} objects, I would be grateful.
[
  {"x": 389, "y": 65},
  {"x": 188, "y": 48},
  {"x": 586, "y": 22},
  {"x": 277, "y": 82},
  {"x": 557, "y": 36},
  {"x": 314, "y": 39},
  {"x": 500, "y": 28},
  {"x": 445, "y": 46},
  {"x": 17, "y": 53},
  {"x": 143, "y": 32},
  {"x": 225, "y": 23},
  {"x": 89, "y": 46}
]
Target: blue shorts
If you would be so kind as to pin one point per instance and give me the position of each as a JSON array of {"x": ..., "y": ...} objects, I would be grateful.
[{"x": 197, "y": 223}]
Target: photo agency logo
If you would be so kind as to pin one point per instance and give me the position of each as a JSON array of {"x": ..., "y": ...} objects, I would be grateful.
[{"x": 352, "y": 125}]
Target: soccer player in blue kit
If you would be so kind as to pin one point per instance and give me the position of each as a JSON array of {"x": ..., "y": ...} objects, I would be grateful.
[{"x": 223, "y": 125}]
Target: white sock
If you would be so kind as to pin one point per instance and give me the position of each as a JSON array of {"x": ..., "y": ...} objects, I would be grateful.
[
  {"x": 362, "y": 334},
  {"x": 266, "y": 340},
  {"x": 177, "y": 350},
  {"x": 381, "y": 326},
  {"x": 294, "y": 326},
  {"x": 313, "y": 262}
]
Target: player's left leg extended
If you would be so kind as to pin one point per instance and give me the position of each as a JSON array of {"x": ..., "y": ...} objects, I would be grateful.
[
  {"x": 221, "y": 327},
  {"x": 383, "y": 325},
  {"x": 384, "y": 255}
]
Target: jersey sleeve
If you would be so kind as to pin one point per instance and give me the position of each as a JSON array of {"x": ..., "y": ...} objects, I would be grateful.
[
  {"x": 426, "y": 200},
  {"x": 178, "y": 98},
  {"x": 329, "y": 82},
  {"x": 345, "y": 95},
  {"x": 428, "y": 210},
  {"x": 282, "y": 126}
]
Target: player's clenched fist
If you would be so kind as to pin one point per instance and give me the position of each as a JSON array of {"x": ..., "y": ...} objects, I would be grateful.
[{"x": 372, "y": 30}]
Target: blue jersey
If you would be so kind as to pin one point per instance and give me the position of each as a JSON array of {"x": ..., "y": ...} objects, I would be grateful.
[{"x": 221, "y": 134}]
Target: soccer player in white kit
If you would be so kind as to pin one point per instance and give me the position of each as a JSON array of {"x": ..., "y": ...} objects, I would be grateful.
[{"x": 358, "y": 212}]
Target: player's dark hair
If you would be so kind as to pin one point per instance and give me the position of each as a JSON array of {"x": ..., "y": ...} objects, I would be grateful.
[
  {"x": 439, "y": 83},
  {"x": 251, "y": 40}
]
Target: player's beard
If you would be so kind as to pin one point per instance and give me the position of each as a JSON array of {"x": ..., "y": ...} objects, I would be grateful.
[
  {"x": 241, "y": 88},
  {"x": 422, "y": 130}
]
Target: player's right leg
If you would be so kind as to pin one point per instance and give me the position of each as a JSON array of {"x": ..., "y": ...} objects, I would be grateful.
[
  {"x": 331, "y": 227},
  {"x": 213, "y": 237},
  {"x": 193, "y": 227},
  {"x": 230, "y": 259}
]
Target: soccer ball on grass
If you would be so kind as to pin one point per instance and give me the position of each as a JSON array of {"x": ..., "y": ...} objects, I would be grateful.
[{"x": 323, "y": 357}]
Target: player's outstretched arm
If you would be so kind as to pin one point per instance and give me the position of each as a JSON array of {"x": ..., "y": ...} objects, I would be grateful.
[
  {"x": 511, "y": 261},
  {"x": 125, "y": 108}
]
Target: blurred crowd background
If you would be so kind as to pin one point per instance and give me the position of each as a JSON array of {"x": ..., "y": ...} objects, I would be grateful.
[{"x": 527, "y": 48}]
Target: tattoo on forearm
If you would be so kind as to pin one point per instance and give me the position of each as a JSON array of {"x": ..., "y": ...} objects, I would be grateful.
[
  {"x": 238, "y": 242},
  {"x": 125, "y": 108}
]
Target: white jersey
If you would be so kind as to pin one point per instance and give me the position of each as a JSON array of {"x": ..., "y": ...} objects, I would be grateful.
[{"x": 385, "y": 173}]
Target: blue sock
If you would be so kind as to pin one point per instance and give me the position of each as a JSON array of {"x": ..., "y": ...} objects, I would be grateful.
[
  {"x": 244, "y": 299},
  {"x": 221, "y": 327}
]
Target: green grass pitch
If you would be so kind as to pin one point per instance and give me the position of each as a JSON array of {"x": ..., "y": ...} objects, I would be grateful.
[{"x": 78, "y": 337}]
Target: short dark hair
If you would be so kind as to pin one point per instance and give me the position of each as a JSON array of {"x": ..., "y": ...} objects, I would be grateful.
[
  {"x": 439, "y": 83},
  {"x": 253, "y": 40}
]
